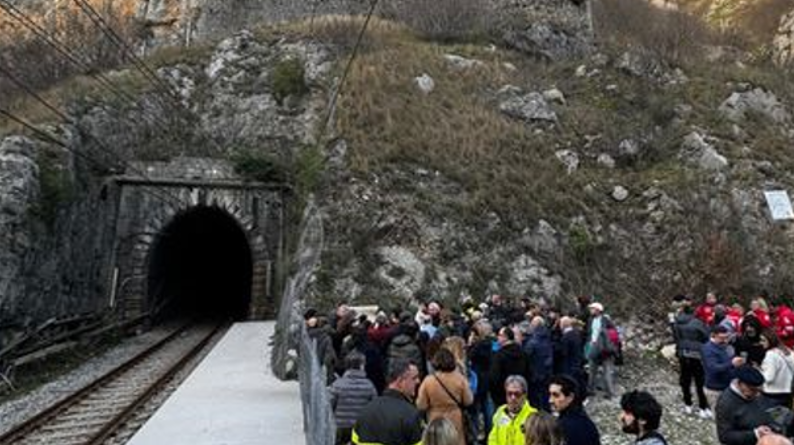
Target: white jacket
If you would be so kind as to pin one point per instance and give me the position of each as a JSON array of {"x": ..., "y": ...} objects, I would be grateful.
[{"x": 778, "y": 370}]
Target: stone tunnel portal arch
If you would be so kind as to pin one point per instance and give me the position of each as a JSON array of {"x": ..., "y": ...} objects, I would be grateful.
[{"x": 200, "y": 266}]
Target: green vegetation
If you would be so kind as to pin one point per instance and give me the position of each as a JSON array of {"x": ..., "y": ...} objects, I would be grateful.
[
  {"x": 260, "y": 167},
  {"x": 56, "y": 188},
  {"x": 309, "y": 167},
  {"x": 288, "y": 79}
]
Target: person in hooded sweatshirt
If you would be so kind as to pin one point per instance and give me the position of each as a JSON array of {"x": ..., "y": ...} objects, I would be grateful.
[
  {"x": 509, "y": 360},
  {"x": 748, "y": 344}
]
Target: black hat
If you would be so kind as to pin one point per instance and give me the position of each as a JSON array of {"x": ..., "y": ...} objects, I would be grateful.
[
  {"x": 309, "y": 313},
  {"x": 749, "y": 375}
]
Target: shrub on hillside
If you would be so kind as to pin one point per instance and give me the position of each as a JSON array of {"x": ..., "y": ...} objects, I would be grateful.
[
  {"x": 675, "y": 37},
  {"x": 288, "y": 79},
  {"x": 445, "y": 20}
]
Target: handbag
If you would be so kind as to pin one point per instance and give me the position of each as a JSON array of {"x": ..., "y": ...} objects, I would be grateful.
[{"x": 469, "y": 430}]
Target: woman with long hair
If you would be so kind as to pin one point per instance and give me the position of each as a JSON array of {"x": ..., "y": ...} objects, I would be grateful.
[
  {"x": 457, "y": 346},
  {"x": 445, "y": 393},
  {"x": 778, "y": 369},
  {"x": 542, "y": 428},
  {"x": 440, "y": 431}
]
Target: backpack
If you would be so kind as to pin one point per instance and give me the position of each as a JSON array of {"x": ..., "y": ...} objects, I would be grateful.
[{"x": 615, "y": 346}]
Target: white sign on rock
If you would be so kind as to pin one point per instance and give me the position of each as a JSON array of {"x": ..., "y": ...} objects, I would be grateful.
[{"x": 779, "y": 205}]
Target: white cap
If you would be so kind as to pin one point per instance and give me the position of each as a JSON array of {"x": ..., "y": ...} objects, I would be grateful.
[{"x": 597, "y": 306}]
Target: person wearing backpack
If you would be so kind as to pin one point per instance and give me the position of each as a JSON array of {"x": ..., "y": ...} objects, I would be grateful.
[{"x": 599, "y": 350}]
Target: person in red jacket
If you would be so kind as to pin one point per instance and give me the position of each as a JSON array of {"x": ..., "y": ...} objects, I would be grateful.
[
  {"x": 760, "y": 309},
  {"x": 784, "y": 325},
  {"x": 733, "y": 319},
  {"x": 705, "y": 312}
]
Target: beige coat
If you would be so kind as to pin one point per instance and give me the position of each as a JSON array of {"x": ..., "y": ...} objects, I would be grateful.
[{"x": 437, "y": 403}]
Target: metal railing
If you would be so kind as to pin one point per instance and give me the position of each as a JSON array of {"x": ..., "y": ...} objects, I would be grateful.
[{"x": 294, "y": 353}]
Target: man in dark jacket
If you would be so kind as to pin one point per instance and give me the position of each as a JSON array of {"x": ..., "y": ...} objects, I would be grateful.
[
  {"x": 509, "y": 360},
  {"x": 741, "y": 414},
  {"x": 690, "y": 335},
  {"x": 404, "y": 345},
  {"x": 349, "y": 395},
  {"x": 480, "y": 354},
  {"x": 565, "y": 398},
  {"x": 321, "y": 334},
  {"x": 718, "y": 363},
  {"x": 499, "y": 312},
  {"x": 641, "y": 415},
  {"x": 572, "y": 352},
  {"x": 392, "y": 419},
  {"x": 540, "y": 353}
]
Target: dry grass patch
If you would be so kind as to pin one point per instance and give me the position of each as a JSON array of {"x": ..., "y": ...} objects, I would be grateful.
[
  {"x": 71, "y": 92},
  {"x": 340, "y": 31},
  {"x": 456, "y": 129}
]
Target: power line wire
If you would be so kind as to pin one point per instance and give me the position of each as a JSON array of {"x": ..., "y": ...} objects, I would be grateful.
[
  {"x": 53, "y": 109},
  {"x": 52, "y": 139},
  {"x": 348, "y": 66},
  {"x": 117, "y": 40},
  {"x": 61, "y": 49},
  {"x": 140, "y": 65}
]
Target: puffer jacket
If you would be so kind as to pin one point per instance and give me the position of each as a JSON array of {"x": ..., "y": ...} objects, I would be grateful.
[
  {"x": 403, "y": 346},
  {"x": 690, "y": 335},
  {"x": 349, "y": 395}
]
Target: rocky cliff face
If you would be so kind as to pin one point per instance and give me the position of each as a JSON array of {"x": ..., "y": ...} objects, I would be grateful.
[
  {"x": 783, "y": 44},
  {"x": 19, "y": 189},
  {"x": 58, "y": 214},
  {"x": 550, "y": 28},
  {"x": 55, "y": 231},
  {"x": 643, "y": 181}
]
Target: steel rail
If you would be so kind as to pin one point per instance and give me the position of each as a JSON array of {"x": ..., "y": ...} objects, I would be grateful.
[
  {"x": 43, "y": 418},
  {"x": 125, "y": 414}
]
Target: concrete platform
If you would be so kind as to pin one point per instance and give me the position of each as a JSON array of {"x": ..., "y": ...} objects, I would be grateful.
[{"x": 230, "y": 398}]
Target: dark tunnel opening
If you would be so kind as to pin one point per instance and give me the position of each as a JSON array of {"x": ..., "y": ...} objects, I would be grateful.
[{"x": 200, "y": 267}]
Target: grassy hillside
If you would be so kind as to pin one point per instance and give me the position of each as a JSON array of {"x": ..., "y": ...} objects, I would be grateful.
[
  {"x": 755, "y": 20},
  {"x": 511, "y": 168}
]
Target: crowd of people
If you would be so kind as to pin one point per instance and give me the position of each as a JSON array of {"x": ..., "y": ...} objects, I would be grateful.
[
  {"x": 493, "y": 373},
  {"x": 741, "y": 365},
  {"x": 502, "y": 374}
]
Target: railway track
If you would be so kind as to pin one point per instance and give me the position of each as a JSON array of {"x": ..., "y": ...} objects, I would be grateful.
[{"x": 94, "y": 413}]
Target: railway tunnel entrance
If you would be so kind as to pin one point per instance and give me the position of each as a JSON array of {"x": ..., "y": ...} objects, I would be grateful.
[
  {"x": 200, "y": 266},
  {"x": 192, "y": 238}
]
